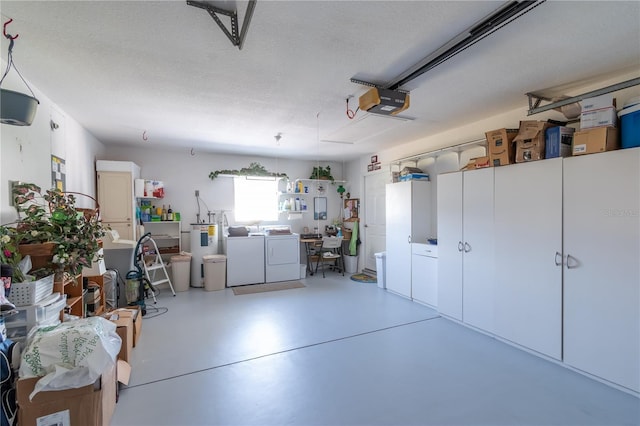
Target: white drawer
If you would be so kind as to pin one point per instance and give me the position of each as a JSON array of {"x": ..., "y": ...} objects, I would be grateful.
[{"x": 420, "y": 249}]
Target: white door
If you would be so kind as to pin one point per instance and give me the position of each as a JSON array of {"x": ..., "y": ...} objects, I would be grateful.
[
  {"x": 601, "y": 275},
  {"x": 424, "y": 274},
  {"x": 450, "y": 244},
  {"x": 528, "y": 255},
  {"x": 398, "y": 238},
  {"x": 477, "y": 263},
  {"x": 374, "y": 217}
]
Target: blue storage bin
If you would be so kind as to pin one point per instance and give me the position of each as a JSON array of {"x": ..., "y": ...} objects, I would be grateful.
[{"x": 630, "y": 126}]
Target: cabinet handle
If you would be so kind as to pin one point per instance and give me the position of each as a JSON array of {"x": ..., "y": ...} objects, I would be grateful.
[
  {"x": 467, "y": 247},
  {"x": 575, "y": 264},
  {"x": 556, "y": 259},
  {"x": 460, "y": 247},
  {"x": 409, "y": 239}
]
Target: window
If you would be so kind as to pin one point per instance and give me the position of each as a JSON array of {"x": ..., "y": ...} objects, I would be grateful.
[{"x": 256, "y": 199}]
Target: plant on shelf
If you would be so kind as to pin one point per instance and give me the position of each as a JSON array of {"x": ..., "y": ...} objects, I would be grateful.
[
  {"x": 322, "y": 173},
  {"x": 51, "y": 224},
  {"x": 254, "y": 169}
]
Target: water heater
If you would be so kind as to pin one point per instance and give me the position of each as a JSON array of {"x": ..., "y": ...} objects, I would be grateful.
[{"x": 204, "y": 241}]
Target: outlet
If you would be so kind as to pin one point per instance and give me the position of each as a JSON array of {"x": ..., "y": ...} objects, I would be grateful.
[{"x": 197, "y": 193}]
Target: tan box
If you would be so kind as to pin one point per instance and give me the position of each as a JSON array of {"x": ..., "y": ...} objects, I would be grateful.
[
  {"x": 500, "y": 146},
  {"x": 594, "y": 140},
  {"x": 136, "y": 314},
  {"x": 124, "y": 328},
  {"x": 89, "y": 405},
  {"x": 530, "y": 140},
  {"x": 477, "y": 163}
]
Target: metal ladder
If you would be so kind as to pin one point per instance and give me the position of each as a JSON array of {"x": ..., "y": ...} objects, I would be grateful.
[{"x": 156, "y": 267}]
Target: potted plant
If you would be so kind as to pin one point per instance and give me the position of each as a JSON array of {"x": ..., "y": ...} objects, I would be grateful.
[
  {"x": 254, "y": 169},
  {"x": 50, "y": 226},
  {"x": 322, "y": 173}
]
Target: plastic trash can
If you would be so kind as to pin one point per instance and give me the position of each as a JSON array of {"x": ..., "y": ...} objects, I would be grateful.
[
  {"x": 303, "y": 270},
  {"x": 215, "y": 271},
  {"x": 381, "y": 267},
  {"x": 351, "y": 264},
  {"x": 181, "y": 270}
]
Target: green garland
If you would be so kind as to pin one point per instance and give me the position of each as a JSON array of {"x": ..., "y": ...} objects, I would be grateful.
[{"x": 254, "y": 169}]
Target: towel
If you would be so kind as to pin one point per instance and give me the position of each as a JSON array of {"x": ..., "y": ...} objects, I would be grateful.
[{"x": 353, "y": 244}]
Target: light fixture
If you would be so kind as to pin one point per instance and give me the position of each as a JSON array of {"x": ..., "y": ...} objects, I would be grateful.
[{"x": 16, "y": 109}]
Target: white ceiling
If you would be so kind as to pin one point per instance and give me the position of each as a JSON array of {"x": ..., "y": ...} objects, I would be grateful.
[{"x": 164, "y": 71}]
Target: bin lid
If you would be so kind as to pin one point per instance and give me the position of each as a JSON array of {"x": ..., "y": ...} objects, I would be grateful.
[
  {"x": 181, "y": 258},
  {"x": 381, "y": 254},
  {"x": 214, "y": 258}
]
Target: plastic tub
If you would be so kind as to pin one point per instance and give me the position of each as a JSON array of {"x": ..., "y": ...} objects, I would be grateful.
[
  {"x": 181, "y": 270},
  {"x": 630, "y": 125},
  {"x": 215, "y": 268},
  {"x": 381, "y": 266}
]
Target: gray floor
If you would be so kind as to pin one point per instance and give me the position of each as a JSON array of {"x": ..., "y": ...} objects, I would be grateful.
[{"x": 340, "y": 352}]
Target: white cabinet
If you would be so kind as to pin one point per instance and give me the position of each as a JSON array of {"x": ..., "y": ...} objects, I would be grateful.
[
  {"x": 601, "y": 321},
  {"x": 115, "y": 196},
  {"x": 450, "y": 245},
  {"x": 528, "y": 234},
  {"x": 424, "y": 273},
  {"x": 465, "y": 243},
  {"x": 408, "y": 220}
]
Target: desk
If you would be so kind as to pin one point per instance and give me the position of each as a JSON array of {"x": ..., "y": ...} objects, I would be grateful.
[{"x": 309, "y": 243}]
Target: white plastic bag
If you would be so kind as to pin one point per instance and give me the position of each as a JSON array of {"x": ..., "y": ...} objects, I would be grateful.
[{"x": 70, "y": 355}]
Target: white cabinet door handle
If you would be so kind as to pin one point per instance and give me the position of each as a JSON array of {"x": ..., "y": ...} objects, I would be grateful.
[
  {"x": 575, "y": 262},
  {"x": 460, "y": 246},
  {"x": 409, "y": 239},
  {"x": 467, "y": 247},
  {"x": 556, "y": 259}
]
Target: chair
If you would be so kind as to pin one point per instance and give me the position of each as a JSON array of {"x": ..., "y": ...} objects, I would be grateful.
[{"x": 330, "y": 251}]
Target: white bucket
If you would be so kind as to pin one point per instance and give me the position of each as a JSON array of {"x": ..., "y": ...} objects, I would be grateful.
[{"x": 351, "y": 264}]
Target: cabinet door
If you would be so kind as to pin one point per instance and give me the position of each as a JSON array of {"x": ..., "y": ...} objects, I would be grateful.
[
  {"x": 477, "y": 264},
  {"x": 528, "y": 234},
  {"x": 449, "y": 198},
  {"x": 601, "y": 276},
  {"x": 398, "y": 212},
  {"x": 115, "y": 197},
  {"x": 424, "y": 275},
  {"x": 125, "y": 229}
]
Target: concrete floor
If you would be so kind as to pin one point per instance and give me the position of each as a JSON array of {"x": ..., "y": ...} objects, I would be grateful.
[{"x": 338, "y": 352}]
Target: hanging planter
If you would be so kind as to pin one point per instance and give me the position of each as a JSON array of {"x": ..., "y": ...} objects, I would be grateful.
[{"x": 16, "y": 109}]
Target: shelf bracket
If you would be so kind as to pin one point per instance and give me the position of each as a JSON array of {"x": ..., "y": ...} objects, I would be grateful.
[
  {"x": 237, "y": 39},
  {"x": 535, "y": 99}
]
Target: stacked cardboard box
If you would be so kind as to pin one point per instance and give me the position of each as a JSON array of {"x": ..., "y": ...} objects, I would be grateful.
[
  {"x": 598, "y": 126},
  {"x": 530, "y": 140},
  {"x": 558, "y": 141},
  {"x": 500, "y": 146}
]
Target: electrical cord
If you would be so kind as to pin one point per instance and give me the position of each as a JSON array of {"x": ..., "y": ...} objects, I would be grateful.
[{"x": 350, "y": 113}]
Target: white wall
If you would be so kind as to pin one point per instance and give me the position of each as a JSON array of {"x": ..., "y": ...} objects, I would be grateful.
[
  {"x": 25, "y": 151},
  {"x": 183, "y": 174}
]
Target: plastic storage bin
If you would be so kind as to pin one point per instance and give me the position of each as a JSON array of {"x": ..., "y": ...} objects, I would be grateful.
[
  {"x": 215, "y": 271},
  {"x": 31, "y": 292},
  {"x": 303, "y": 270},
  {"x": 630, "y": 124},
  {"x": 46, "y": 312},
  {"x": 381, "y": 266},
  {"x": 181, "y": 271}
]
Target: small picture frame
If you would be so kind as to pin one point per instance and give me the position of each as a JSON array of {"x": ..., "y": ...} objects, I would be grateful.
[
  {"x": 377, "y": 166},
  {"x": 370, "y": 167},
  {"x": 374, "y": 159}
]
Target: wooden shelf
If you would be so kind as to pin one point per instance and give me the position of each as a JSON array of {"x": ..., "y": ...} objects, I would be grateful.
[{"x": 72, "y": 287}]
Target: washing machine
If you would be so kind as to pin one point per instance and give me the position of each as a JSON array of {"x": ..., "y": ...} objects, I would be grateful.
[
  {"x": 282, "y": 257},
  {"x": 204, "y": 241},
  {"x": 245, "y": 259}
]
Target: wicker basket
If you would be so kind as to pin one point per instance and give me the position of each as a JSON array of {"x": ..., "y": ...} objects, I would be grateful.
[{"x": 31, "y": 292}]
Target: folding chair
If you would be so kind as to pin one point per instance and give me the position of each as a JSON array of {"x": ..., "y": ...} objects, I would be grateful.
[{"x": 330, "y": 252}]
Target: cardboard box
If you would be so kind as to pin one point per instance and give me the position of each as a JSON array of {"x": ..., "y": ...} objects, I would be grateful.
[
  {"x": 136, "y": 314},
  {"x": 599, "y": 118},
  {"x": 89, "y": 405},
  {"x": 599, "y": 139},
  {"x": 558, "y": 141},
  {"x": 598, "y": 102},
  {"x": 477, "y": 163},
  {"x": 500, "y": 146},
  {"x": 124, "y": 328},
  {"x": 530, "y": 140}
]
